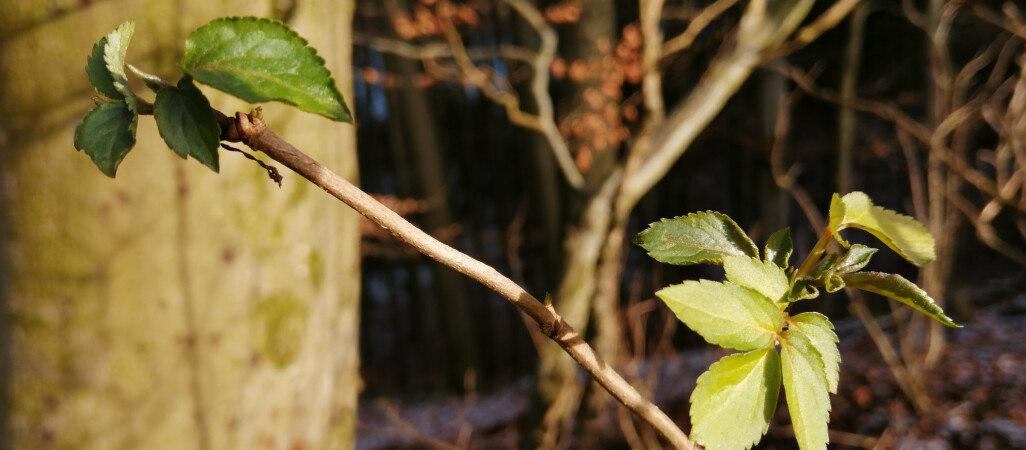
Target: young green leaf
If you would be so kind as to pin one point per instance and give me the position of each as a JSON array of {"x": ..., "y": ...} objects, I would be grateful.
[
  {"x": 802, "y": 290},
  {"x": 725, "y": 314},
  {"x": 779, "y": 247},
  {"x": 765, "y": 277},
  {"x": 114, "y": 56},
  {"x": 704, "y": 237},
  {"x": 806, "y": 390},
  {"x": 831, "y": 268},
  {"x": 152, "y": 81},
  {"x": 819, "y": 330},
  {"x": 99, "y": 76},
  {"x": 735, "y": 399},
  {"x": 107, "y": 133},
  {"x": 261, "y": 60},
  {"x": 901, "y": 233},
  {"x": 900, "y": 289},
  {"x": 187, "y": 123}
]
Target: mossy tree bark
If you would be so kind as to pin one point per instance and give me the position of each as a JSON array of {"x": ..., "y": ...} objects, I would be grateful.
[{"x": 171, "y": 307}]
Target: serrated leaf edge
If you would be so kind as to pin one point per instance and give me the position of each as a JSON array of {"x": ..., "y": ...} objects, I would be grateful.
[{"x": 322, "y": 63}]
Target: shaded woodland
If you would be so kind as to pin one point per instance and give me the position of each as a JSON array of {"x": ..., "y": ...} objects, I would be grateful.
[{"x": 916, "y": 103}]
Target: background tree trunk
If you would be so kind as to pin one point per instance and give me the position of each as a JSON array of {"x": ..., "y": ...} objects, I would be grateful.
[{"x": 172, "y": 307}]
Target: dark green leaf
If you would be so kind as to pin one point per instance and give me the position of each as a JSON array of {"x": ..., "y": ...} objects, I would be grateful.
[
  {"x": 734, "y": 400},
  {"x": 779, "y": 247},
  {"x": 99, "y": 77},
  {"x": 725, "y": 314},
  {"x": 806, "y": 390},
  {"x": 901, "y": 233},
  {"x": 106, "y": 134},
  {"x": 705, "y": 237},
  {"x": 261, "y": 60},
  {"x": 187, "y": 122},
  {"x": 900, "y": 289}
]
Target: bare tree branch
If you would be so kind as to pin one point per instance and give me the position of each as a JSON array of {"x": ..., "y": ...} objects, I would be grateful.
[
  {"x": 759, "y": 31},
  {"x": 812, "y": 31},
  {"x": 697, "y": 24},
  {"x": 540, "y": 89}
]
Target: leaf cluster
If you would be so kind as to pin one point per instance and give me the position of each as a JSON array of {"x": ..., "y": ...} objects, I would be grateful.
[
  {"x": 257, "y": 60},
  {"x": 735, "y": 399}
]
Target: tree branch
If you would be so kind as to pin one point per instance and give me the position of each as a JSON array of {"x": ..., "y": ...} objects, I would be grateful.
[{"x": 253, "y": 132}]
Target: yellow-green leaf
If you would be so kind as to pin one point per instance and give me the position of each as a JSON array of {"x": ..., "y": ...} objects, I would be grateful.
[
  {"x": 704, "y": 237},
  {"x": 806, "y": 390},
  {"x": 725, "y": 314},
  {"x": 765, "y": 277},
  {"x": 820, "y": 332},
  {"x": 779, "y": 247},
  {"x": 900, "y": 289},
  {"x": 735, "y": 399},
  {"x": 901, "y": 233}
]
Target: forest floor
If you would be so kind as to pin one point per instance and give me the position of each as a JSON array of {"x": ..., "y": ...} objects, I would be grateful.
[{"x": 977, "y": 395}]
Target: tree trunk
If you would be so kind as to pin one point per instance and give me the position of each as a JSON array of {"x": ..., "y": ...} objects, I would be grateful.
[{"x": 171, "y": 307}]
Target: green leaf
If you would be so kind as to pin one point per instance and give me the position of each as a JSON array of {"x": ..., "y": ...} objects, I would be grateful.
[
  {"x": 802, "y": 290},
  {"x": 187, "y": 123},
  {"x": 261, "y": 60},
  {"x": 900, "y": 289},
  {"x": 765, "y": 277},
  {"x": 806, "y": 390},
  {"x": 704, "y": 237},
  {"x": 901, "y": 233},
  {"x": 99, "y": 76},
  {"x": 735, "y": 399},
  {"x": 725, "y": 314},
  {"x": 152, "y": 81},
  {"x": 114, "y": 56},
  {"x": 779, "y": 247},
  {"x": 830, "y": 269},
  {"x": 107, "y": 133},
  {"x": 820, "y": 332}
]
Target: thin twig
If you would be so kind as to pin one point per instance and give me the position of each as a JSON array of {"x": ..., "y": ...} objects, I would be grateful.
[
  {"x": 695, "y": 27},
  {"x": 254, "y": 133},
  {"x": 272, "y": 172}
]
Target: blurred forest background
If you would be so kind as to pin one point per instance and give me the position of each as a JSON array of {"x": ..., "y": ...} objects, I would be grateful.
[{"x": 176, "y": 308}]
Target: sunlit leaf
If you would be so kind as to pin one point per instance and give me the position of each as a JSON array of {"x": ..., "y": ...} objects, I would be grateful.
[
  {"x": 704, "y": 237},
  {"x": 820, "y": 332},
  {"x": 725, "y": 314},
  {"x": 187, "y": 123},
  {"x": 99, "y": 76},
  {"x": 114, "y": 56},
  {"x": 802, "y": 290},
  {"x": 900, "y": 289},
  {"x": 901, "y": 233},
  {"x": 261, "y": 60},
  {"x": 765, "y": 277},
  {"x": 106, "y": 134},
  {"x": 806, "y": 390},
  {"x": 779, "y": 247},
  {"x": 735, "y": 399}
]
